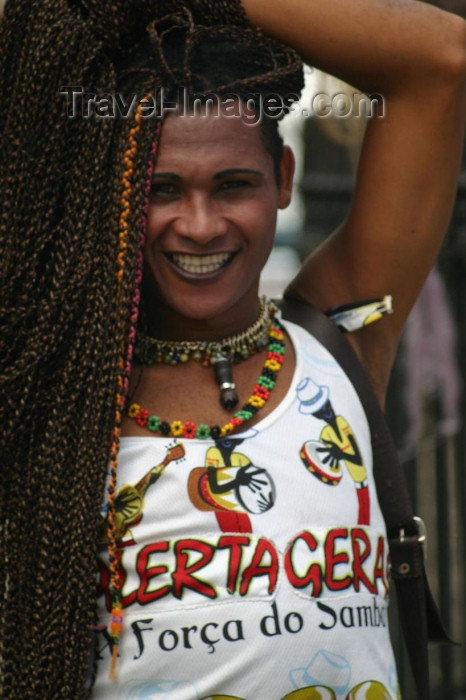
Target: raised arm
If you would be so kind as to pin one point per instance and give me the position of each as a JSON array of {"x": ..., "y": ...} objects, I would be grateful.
[{"x": 415, "y": 55}]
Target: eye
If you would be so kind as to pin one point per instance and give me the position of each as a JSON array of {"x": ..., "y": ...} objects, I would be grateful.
[
  {"x": 234, "y": 185},
  {"x": 163, "y": 189}
]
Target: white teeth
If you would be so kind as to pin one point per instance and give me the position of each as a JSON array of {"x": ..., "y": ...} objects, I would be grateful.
[{"x": 200, "y": 264}]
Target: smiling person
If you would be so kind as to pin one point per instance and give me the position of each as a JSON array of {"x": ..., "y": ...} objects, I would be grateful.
[
  {"x": 159, "y": 413},
  {"x": 210, "y": 228}
]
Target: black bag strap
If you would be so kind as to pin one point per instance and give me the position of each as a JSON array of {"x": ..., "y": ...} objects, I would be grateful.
[{"x": 419, "y": 616}]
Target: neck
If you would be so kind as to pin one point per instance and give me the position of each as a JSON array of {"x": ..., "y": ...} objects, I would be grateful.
[{"x": 166, "y": 323}]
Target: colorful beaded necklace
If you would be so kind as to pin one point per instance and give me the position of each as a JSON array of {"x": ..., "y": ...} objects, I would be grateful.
[
  {"x": 219, "y": 354},
  {"x": 149, "y": 351},
  {"x": 259, "y": 397}
]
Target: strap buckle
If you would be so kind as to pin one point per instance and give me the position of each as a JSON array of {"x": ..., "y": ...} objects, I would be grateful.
[
  {"x": 421, "y": 534},
  {"x": 408, "y": 550}
]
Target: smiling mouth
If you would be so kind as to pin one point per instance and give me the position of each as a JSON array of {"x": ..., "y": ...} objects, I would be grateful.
[{"x": 200, "y": 264}]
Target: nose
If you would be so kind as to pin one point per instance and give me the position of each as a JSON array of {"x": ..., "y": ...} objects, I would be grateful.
[{"x": 200, "y": 219}]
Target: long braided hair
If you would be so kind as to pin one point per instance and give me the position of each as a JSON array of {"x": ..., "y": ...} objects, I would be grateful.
[{"x": 73, "y": 200}]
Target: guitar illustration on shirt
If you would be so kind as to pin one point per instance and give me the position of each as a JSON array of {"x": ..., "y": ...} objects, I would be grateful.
[{"x": 129, "y": 501}]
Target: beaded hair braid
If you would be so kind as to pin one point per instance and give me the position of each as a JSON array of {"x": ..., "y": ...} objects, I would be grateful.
[{"x": 72, "y": 216}]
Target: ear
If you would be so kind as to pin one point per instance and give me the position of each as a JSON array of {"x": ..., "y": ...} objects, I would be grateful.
[{"x": 287, "y": 166}]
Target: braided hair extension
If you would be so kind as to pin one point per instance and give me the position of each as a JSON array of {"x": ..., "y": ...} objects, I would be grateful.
[{"x": 73, "y": 199}]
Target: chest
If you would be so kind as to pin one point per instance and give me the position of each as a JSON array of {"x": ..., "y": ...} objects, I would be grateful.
[
  {"x": 190, "y": 392},
  {"x": 271, "y": 537}
]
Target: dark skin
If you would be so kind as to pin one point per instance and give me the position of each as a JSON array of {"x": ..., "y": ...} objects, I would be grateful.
[
  {"x": 200, "y": 208},
  {"x": 414, "y": 54},
  {"x": 215, "y": 198}
]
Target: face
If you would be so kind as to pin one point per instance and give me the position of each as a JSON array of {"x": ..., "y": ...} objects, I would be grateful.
[{"x": 212, "y": 218}]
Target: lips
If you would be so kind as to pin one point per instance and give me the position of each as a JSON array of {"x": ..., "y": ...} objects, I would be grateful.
[{"x": 200, "y": 264}]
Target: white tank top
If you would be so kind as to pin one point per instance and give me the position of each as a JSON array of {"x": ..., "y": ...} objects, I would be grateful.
[{"x": 255, "y": 567}]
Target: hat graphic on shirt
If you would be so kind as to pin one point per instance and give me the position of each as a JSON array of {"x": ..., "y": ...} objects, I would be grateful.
[{"x": 311, "y": 396}]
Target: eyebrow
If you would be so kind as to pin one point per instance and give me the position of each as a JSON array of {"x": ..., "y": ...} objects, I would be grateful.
[
  {"x": 237, "y": 171},
  {"x": 218, "y": 176},
  {"x": 166, "y": 176}
]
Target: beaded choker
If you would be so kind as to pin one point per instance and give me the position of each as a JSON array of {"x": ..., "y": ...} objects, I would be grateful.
[
  {"x": 219, "y": 354},
  {"x": 259, "y": 397}
]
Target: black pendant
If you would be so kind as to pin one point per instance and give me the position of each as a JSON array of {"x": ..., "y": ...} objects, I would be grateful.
[{"x": 223, "y": 375}]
